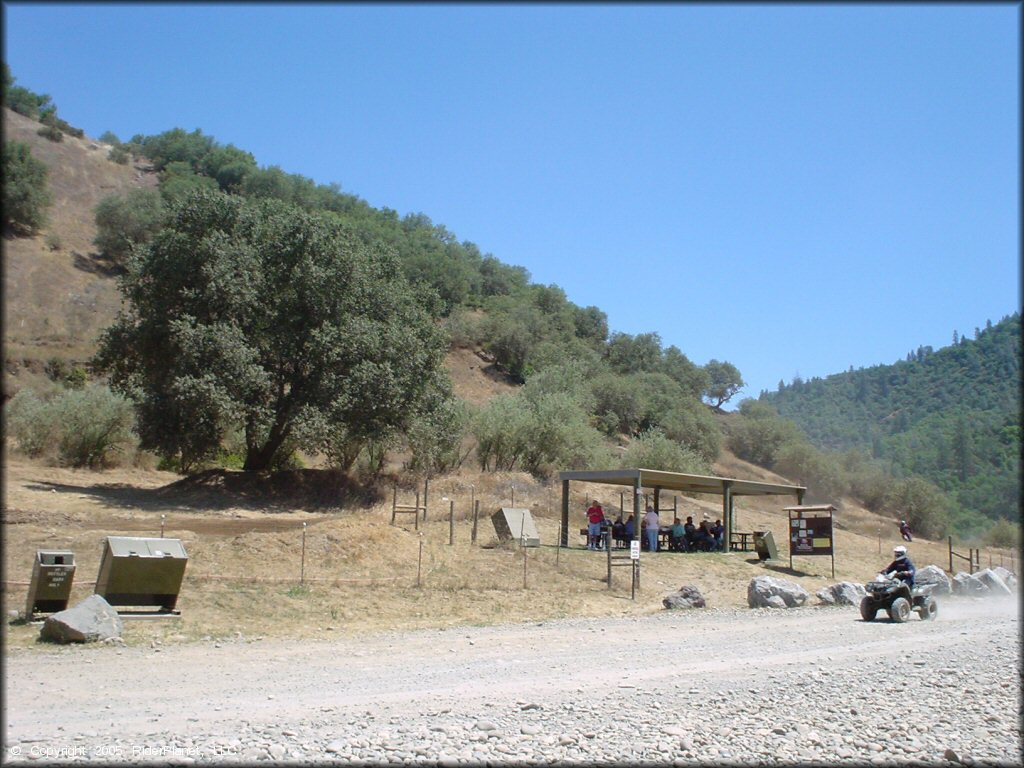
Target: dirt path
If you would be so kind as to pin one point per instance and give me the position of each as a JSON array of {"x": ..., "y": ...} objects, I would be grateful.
[{"x": 92, "y": 695}]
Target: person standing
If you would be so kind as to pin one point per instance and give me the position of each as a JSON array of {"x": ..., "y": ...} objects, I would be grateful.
[
  {"x": 595, "y": 516},
  {"x": 651, "y": 526}
]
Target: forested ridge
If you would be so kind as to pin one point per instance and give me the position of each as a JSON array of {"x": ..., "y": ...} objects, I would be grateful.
[{"x": 950, "y": 415}]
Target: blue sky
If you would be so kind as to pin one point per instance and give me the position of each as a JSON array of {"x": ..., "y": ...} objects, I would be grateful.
[{"x": 794, "y": 188}]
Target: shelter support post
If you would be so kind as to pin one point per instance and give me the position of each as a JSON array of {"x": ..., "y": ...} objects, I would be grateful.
[
  {"x": 637, "y": 493},
  {"x": 727, "y": 513},
  {"x": 565, "y": 514}
]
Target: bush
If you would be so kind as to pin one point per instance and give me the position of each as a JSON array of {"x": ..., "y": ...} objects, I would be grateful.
[
  {"x": 95, "y": 424},
  {"x": 1004, "y": 535},
  {"x": 921, "y": 504},
  {"x": 51, "y": 132},
  {"x": 653, "y": 450},
  {"x": 30, "y": 421},
  {"x": 118, "y": 155},
  {"x": 125, "y": 221},
  {"x": 26, "y": 196}
]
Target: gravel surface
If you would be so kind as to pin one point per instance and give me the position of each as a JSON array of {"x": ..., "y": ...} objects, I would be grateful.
[{"x": 808, "y": 685}]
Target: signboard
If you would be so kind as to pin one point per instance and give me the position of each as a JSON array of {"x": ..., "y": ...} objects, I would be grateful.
[
  {"x": 810, "y": 532},
  {"x": 634, "y": 549}
]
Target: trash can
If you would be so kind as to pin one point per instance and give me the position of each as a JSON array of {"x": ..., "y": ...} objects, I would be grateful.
[
  {"x": 137, "y": 571},
  {"x": 50, "y": 588},
  {"x": 764, "y": 545}
]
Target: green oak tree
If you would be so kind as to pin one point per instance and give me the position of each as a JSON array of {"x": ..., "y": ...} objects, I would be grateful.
[{"x": 260, "y": 316}]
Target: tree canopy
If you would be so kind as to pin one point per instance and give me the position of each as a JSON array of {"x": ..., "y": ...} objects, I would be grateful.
[{"x": 259, "y": 315}]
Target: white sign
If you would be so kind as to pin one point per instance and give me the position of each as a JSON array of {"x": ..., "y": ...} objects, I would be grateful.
[{"x": 634, "y": 550}]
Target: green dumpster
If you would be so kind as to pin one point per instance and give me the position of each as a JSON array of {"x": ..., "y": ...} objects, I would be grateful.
[
  {"x": 764, "y": 545},
  {"x": 50, "y": 588},
  {"x": 137, "y": 571}
]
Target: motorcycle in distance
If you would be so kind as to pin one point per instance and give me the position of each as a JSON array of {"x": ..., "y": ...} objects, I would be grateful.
[{"x": 896, "y": 597}]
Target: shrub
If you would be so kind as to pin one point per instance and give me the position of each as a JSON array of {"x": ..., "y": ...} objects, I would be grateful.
[
  {"x": 30, "y": 421},
  {"x": 125, "y": 221},
  {"x": 653, "y": 450},
  {"x": 51, "y": 132},
  {"x": 118, "y": 155},
  {"x": 921, "y": 504},
  {"x": 53, "y": 241},
  {"x": 26, "y": 196},
  {"x": 95, "y": 424},
  {"x": 1003, "y": 534}
]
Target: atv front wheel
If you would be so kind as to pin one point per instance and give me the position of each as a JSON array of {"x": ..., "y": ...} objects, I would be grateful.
[
  {"x": 899, "y": 610},
  {"x": 868, "y": 609},
  {"x": 929, "y": 609}
]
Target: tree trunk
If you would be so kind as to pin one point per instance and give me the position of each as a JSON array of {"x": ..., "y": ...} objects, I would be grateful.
[{"x": 260, "y": 457}]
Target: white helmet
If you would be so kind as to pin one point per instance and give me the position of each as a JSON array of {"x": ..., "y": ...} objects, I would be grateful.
[{"x": 900, "y": 552}]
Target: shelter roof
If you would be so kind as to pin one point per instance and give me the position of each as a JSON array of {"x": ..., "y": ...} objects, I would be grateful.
[{"x": 678, "y": 481}]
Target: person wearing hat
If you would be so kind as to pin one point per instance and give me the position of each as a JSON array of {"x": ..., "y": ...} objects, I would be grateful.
[{"x": 901, "y": 567}]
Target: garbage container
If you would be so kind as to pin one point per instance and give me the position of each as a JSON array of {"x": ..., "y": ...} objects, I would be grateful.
[
  {"x": 764, "y": 545},
  {"x": 50, "y": 588},
  {"x": 137, "y": 571}
]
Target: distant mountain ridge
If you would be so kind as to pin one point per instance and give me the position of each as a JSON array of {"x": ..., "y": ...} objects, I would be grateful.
[{"x": 951, "y": 416}]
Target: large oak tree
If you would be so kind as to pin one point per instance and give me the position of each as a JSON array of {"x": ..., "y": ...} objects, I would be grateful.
[{"x": 264, "y": 317}]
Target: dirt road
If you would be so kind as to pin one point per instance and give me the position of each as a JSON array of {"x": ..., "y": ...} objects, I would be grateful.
[{"x": 804, "y": 684}]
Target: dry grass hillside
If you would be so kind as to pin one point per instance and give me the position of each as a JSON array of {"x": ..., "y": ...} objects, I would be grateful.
[{"x": 58, "y": 293}]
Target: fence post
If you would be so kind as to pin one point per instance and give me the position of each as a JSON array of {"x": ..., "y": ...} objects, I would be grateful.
[
  {"x": 302, "y": 571},
  {"x": 426, "y": 486},
  {"x": 476, "y": 514},
  {"x": 416, "y": 512},
  {"x": 394, "y": 502},
  {"x": 451, "y": 522},
  {"x": 951, "y": 554}
]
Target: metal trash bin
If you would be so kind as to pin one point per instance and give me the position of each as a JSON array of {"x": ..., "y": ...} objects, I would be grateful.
[
  {"x": 50, "y": 588},
  {"x": 137, "y": 571},
  {"x": 764, "y": 545}
]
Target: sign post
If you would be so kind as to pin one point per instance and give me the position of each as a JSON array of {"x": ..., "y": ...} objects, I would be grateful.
[{"x": 810, "y": 532}]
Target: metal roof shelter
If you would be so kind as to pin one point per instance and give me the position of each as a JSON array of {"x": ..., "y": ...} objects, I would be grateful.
[{"x": 726, "y": 487}]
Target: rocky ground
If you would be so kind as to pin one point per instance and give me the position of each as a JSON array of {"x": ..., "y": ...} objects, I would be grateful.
[{"x": 807, "y": 685}]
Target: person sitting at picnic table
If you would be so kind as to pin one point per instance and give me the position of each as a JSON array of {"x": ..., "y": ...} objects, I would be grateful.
[
  {"x": 703, "y": 538},
  {"x": 718, "y": 536},
  {"x": 690, "y": 532},
  {"x": 595, "y": 516},
  {"x": 630, "y": 528},
  {"x": 652, "y": 527},
  {"x": 677, "y": 536}
]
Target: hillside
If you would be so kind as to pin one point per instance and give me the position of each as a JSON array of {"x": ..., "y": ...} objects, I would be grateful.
[
  {"x": 58, "y": 293},
  {"x": 951, "y": 416}
]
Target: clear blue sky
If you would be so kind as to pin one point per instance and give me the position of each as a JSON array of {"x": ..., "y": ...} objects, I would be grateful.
[{"x": 793, "y": 188}]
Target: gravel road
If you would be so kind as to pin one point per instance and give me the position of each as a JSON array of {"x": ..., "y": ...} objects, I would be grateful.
[{"x": 806, "y": 685}]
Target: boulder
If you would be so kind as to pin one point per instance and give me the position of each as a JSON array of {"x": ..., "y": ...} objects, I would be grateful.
[
  {"x": 92, "y": 620},
  {"x": 993, "y": 581},
  {"x": 934, "y": 578},
  {"x": 770, "y": 592},
  {"x": 843, "y": 593},
  {"x": 969, "y": 585},
  {"x": 686, "y": 597},
  {"x": 1008, "y": 578}
]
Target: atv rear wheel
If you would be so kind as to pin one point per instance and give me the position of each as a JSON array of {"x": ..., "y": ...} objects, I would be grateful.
[
  {"x": 899, "y": 610},
  {"x": 929, "y": 609},
  {"x": 868, "y": 609}
]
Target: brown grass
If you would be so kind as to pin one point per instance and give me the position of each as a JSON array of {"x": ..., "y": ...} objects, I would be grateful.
[{"x": 247, "y": 573}]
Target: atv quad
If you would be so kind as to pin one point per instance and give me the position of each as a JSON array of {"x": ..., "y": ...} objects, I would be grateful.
[{"x": 898, "y": 599}]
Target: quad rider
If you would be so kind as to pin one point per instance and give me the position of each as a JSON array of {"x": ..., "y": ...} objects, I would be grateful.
[
  {"x": 905, "y": 531},
  {"x": 901, "y": 567}
]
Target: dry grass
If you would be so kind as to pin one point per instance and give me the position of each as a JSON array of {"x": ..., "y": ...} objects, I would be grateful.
[{"x": 247, "y": 573}]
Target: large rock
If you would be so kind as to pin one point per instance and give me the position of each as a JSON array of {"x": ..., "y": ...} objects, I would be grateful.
[
  {"x": 91, "y": 620},
  {"x": 843, "y": 593},
  {"x": 770, "y": 592},
  {"x": 994, "y": 582},
  {"x": 1008, "y": 578},
  {"x": 686, "y": 597},
  {"x": 934, "y": 579},
  {"x": 969, "y": 585}
]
